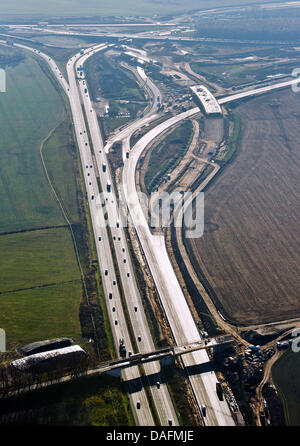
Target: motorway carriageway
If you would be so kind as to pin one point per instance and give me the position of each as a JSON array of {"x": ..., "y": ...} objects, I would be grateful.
[{"x": 161, "y": 397}]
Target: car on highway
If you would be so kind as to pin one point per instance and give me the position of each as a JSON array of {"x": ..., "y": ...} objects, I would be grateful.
[
  {"x": 128, "y": 274},
  {"x": 139, "y": 338},
  {"x": 124, "y": 260},
  {"x": 100, "y": 238},
  {"x": 170, "y": 422},
  {"x": 116, "y": 322},
  {"x": 114, "y": 282},
  {"x": 92, "y": 197},
  {"x": 110, "y": 296},
  {"x": 106, "y": 272},
  {"x": 158, "y": 384},
  {"x": 138, "y": 405},
  {"x": 135, "y": 309},
  {"x": 203, "y": 410},
  {"x": 113, "y": 309}
]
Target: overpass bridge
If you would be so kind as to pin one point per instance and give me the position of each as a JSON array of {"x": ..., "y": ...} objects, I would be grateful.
[{"x": 165, "y": 355}]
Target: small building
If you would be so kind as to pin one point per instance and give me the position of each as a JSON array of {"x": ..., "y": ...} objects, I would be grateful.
[
  {"x": 51, "y": 360},
  {"x": 43, "y": 346}
]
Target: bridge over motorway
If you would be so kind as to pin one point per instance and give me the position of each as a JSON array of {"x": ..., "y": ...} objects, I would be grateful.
[{"x": 165, "y": 355}]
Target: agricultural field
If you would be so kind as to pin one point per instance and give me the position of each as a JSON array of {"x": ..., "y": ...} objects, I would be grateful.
[
  {"x": 46, "y": 312},
  {"x": 36, "y": 258},
  {"x": 233, "y": 75},
  {"x": 285, "y": 374},
  {"x": 113, "y": 7},
  {"x": 40, "y": 289},
  {"x": 26, "y": 200},
  {"x": 249, "y": 255}
]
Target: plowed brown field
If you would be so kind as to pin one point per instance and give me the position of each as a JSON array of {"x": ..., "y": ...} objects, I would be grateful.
[{"x": 249, "y": 256}]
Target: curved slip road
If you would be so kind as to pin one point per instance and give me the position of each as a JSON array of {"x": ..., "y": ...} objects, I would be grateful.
[{"x": 178, "y": 313}]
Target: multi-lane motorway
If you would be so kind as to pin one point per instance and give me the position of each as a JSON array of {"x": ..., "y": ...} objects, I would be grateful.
[
  {"x": 138, "y": 397},
  {"x": 108, "y": 204},
  {"x": 254, "y": 91}
]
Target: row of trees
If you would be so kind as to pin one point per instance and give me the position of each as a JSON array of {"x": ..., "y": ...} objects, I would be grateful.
[{"x": 15, "y": 382}]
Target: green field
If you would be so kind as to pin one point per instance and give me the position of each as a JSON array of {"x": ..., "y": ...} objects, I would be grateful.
[
  {"x": 60, "y": 157},
  {"x": 32, "y": 259},
  {"x": 111, "y": 7},
  {"x": 41, "y": 313},
  {"x": 29, "y": 110},
  {"x": 285, "y": 373},
  {"x": 40, "y": 287}
]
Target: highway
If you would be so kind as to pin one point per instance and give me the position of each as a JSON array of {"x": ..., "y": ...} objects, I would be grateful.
[
  {"x": 255, "y": 91},
  {"x": 173, "y": 300},
  {"x": 143, "y": 415},
  {"x": 143, "y": 338}
]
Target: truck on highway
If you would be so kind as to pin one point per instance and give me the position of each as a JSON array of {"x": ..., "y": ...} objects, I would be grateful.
[
  {"x": 136, "y": 357},
  {"x": 122, "y": 348},
  {"x": 219, "y": 391}
]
